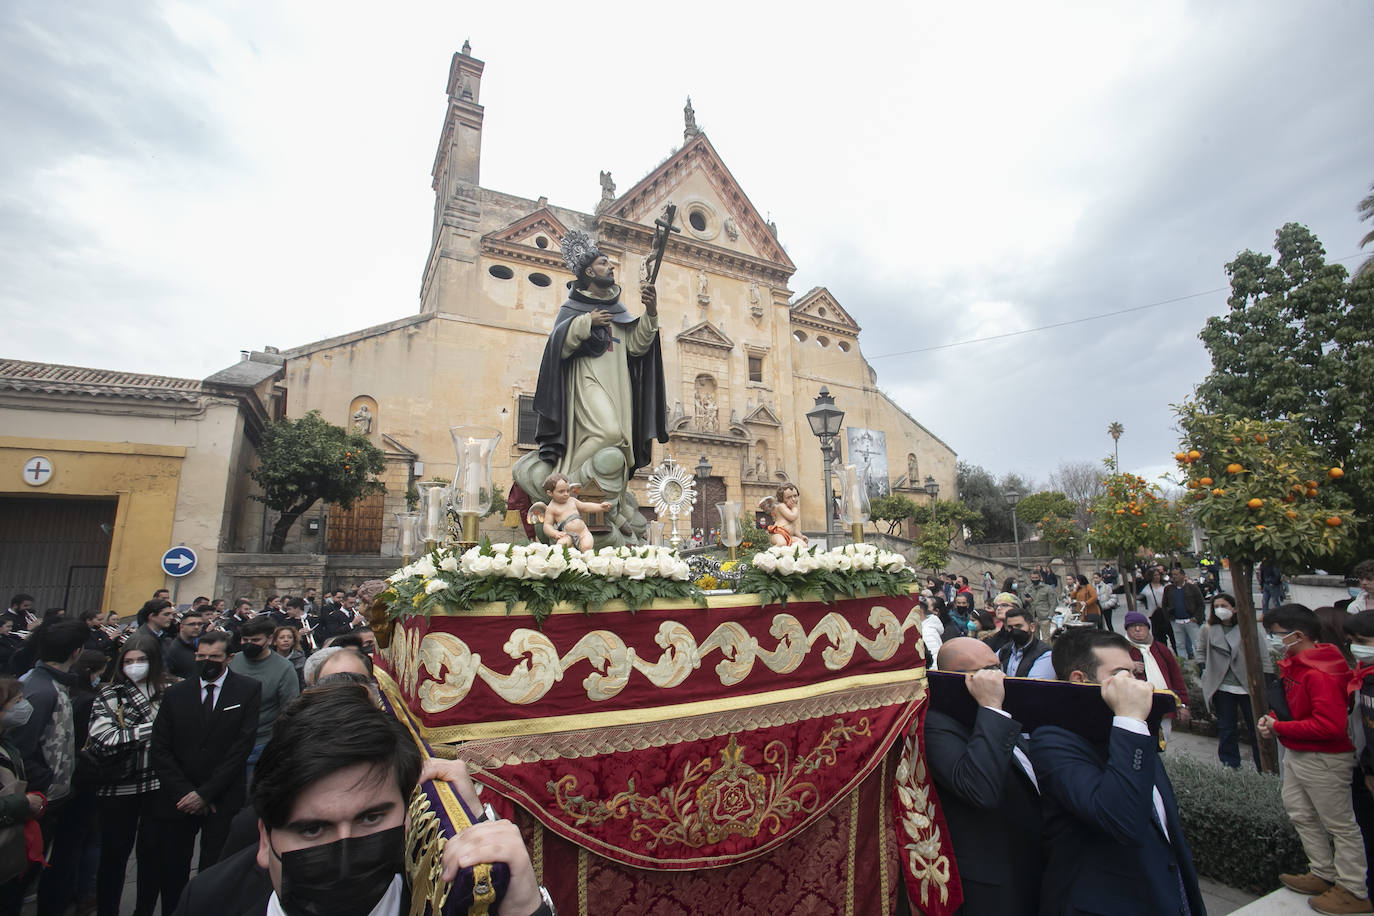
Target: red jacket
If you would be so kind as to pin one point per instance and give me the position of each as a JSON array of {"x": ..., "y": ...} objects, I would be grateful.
[
  {"x": 1314, "y": 683},
  {"x": 1168, "y": 665}
]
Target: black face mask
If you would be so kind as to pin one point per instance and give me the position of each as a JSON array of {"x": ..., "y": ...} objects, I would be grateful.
[
  {"x": 253, "y": 650},
  {"x": 344, "y": 878},
  {"x": 210, "y": 671},
  {"x": 1020, "y": 638}
]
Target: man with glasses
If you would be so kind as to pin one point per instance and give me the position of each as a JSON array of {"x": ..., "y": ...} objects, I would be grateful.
[
  {"x": 987, "y": 788},
  {"x": 181, "y": 651},
  {"x": 1317, "y": 763},
  {"x": 1024, "y": 654}
]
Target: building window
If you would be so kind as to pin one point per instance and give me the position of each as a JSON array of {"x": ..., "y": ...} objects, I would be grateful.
[
  {"x": 540, "y": 279},
  {"x": 756, "y": 368},
  {"x": 500, "y": 271},
  {"x": 526, "y": 420}
]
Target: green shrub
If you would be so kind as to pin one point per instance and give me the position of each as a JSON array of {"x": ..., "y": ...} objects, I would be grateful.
[{"x": 1235, "y": 824}]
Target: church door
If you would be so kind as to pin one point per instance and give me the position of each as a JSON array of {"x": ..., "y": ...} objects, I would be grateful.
[{"x": 357, "y": 530}]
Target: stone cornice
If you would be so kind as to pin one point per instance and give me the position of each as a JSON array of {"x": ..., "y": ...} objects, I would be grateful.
[{"x": 628, "y": 236}]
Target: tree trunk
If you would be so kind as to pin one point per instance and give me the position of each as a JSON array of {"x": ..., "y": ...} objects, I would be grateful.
[
  {"x": 1241, "y": 572},
  {"x": 283, "y": 526},
  {"x": 1126, "y": 582}
]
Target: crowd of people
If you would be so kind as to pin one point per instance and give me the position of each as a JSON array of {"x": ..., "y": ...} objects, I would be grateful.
[
  {"x": 144, "y": 738},
  {"x": 1112, "y": 839}
]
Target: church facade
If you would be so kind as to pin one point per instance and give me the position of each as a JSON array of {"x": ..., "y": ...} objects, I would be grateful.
[{"x": 744, "y": 356}]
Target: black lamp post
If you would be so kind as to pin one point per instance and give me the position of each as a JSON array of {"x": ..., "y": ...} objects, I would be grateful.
[
  {"x": 826, "y": 419},
  {"x": 932, "y": 489},
  {"x": 703, "y": 475},
  {"x": 1012, "y": 498}
]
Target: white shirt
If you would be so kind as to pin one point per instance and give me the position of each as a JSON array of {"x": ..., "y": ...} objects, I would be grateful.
[
  {"x": 389, "y": 905},
  {"x": 1140, "y": 728},
  {"x": 1019, "y": 754},
  {"x": 219, "y": 687}
]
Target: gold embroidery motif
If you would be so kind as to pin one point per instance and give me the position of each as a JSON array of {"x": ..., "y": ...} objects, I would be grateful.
[
  {"x": 853, "y": 842},
  {"x": 923, "y": 856},
  {"x": 453, "y": 667},
  {"x": 710, "y": 804},
  {"x": 884, "y": 839}
]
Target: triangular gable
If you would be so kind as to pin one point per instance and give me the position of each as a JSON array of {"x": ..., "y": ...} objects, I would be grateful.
[
  {"x": 644, "y": 202},
  {"x": 820, "y": 306},
  {"x": 707, "y": 335},
  {"x": 526, "y": 229},
  {"x": 763, "y": 416}
]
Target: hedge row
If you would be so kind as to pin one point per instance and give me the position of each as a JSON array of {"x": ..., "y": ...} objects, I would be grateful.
[{"x": 1235, "y": 824}]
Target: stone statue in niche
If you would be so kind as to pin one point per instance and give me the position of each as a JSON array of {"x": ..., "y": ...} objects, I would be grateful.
[
  {"x": 913, "y": 473},
  {"x": 731, "y": 229},
  {"x": 707, "y": 412},
  {"x": 703, "y": 296},
  {"x": 362, "y": 420},
  {"x": 753, "y": 292}
]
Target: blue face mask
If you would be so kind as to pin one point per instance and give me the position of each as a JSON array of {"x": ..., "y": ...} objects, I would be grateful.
[{"x": 1354, "y": 591}]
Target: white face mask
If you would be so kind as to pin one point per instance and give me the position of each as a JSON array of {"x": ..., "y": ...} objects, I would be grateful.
[
  {"x": 1223, "y": 613},
  {"x": 136, "y": 671},
  {"x": 1363, "y": 653}
]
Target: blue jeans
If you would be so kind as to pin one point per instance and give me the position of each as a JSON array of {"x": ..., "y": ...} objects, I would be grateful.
[
  {"x": 1273, "y": 593},
  {"x": 253, "y": 762},
  {"x": 1227, "y": 707}
]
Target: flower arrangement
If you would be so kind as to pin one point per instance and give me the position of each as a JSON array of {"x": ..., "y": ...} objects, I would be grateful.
[
  {"x": 541, "y": 575},
  {"x": 849, "y": 571}
]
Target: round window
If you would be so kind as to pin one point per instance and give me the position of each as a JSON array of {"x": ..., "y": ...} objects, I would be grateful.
[
  {"x": 541, "y": 242},
  {"x": 697, "y": 220},
  {"x": 540, "y": 279}
]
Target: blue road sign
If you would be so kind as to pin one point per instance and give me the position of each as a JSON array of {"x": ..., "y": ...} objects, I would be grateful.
[{"x": 179, "y": 561}]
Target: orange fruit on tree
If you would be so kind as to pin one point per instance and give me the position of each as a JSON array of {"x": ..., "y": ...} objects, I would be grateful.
[
  {"x": 1219, "y": 492},
  {"x": 1336, "y": 473},
  {"x": 1261, "y": 437},
  {"x": 1259, "y": 527},
  {"x": 1311, "y": 485},
  {"x": 1236, "y": 439},
  {"x": 1234, "y": 468},
  {"x": 1206, "y": 481},
  {"x": 1180, "y": 456},
  {"x": 1312, "y": 493},
  {"x": 1194, "y": 455},
  {"x": 1334, "y": 521},
  {"x": 1255, "y": 503},
  {"x": 1291, "y": 514},
  {"x": 1290, "y": 498},
  {"x": 1120, "y": 511}
]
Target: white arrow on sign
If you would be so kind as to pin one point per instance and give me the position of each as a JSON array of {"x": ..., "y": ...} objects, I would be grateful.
[{"x": 179, "y": 561}]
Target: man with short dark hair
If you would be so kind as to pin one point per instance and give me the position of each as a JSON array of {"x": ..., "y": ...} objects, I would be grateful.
[
  {"x": 987, "y": 789},
  {"x": 331, "y": 794},
  {"x": 338, "y": 619},
  {"x": 162, "y": 594},
  {"x": 202, "y": 737},
  {"x": 1114, "y": 840},
  {"x": 1317, "y": 762},
  {"x": 155, "y": 620},
  {"x": 1039, "y": 598},
  {"x": 243, "y": 612},
  {"x": 181, "y": 652},
  {"x": 276, "y": 675},
  {"x": 1184, "y": 605},
  {"x": 1024, "y": 654},
  {"x": 21, "y": 612}
]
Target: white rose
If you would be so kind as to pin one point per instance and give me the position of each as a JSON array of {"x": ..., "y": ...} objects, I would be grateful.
[
  {"x": 766, "y": 562},
  {"x": 606, "y": 552},
  {"x": 482, "y": 566},
  {"x": 622, "y": 552},
  {"x": 635, "y": 568},
  {"x": 435, "y": 585},
  {"x": 787, "y": 565},
  {"x": 683, "y": 572},
  {"x": 598, "y": 565},
  {"x": 665, "y": 565},
  {"x": 449, "y": 563},
  {"x": 617, "y": 567},
  {"x": 535, "y": 567},
  {"x": 865, "y": 562},
  {"x": 519, "y": 550},
  {"x": 500, "y": 565},
  {"x": 844, "y": 564},
  {"x": 577, "y": 565},
  {"x": 804, "y": 564},
  {"x": 425, "y": 567},
  {"x": 502, "y": 547},
  {"x": 516, "y": 570},
  {"x": 895, "y": 565},
  {"x": 557, "y": 565}
]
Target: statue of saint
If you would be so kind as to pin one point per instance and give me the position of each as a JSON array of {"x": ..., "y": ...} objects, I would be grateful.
[
  {"x": 362, "y": 420},
  {"x": 600, "y": 400}
]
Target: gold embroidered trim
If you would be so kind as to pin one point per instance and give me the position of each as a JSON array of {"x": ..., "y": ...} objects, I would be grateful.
[
  {"x": 452, "y": 667},
  {"x": 581, "y": 881},
  {"x": 884, "y": 838},
  {"x": 537, "y": 852},
  {"x": 853, "y": 842},
  {"x": 924, "y": 859},
  {"x": 709, "y": 803},
  {"x": 912, "y": 678}
]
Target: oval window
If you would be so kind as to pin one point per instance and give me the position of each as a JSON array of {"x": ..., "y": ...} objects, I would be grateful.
[
  {"x": 843, "y": 345},
  {"x": 823, "y": 341},
  {"x": 799, "y": 336},
  {"x": 698, "y": 220},
  {"x": 541, "y": 242},
  {"x": 540, "y": 279},
  {"x": 500, "y": 271}
]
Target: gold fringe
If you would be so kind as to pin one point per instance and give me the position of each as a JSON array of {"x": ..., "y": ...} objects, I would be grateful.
[{"x": 853, "y": 842}]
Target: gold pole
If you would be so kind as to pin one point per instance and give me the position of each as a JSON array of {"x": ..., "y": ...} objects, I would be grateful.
[
  {"x": 469, "y": 522},
  {"x": 858, "y": 530},
  {"x": 734, "y": 554}
]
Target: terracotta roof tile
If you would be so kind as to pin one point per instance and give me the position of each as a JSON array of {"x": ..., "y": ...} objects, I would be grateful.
[{"x": 48, "y": 378}]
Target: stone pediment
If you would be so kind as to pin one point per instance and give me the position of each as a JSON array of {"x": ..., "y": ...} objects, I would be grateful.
[
  {"x": 818, "y": 308},
  {"x": 697, "y": 168},
  {"x": 706, "y": 335},
  {"x": 762, "y": 416},
  {"x": 528, "y": 229}
]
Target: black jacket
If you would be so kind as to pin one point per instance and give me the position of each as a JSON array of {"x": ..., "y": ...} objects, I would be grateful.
[
  {"x": 234, "y": 886},
  {"x": 992, "y": 809},
  {"x": 180, "y": 658},
  {"x": 208, "y": 758}
]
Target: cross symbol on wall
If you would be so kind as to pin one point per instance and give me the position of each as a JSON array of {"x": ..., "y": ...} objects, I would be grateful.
[{"x": 37, "y": 470}]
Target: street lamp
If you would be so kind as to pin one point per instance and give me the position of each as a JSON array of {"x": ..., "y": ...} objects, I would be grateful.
[
  {"x": 1012, "y": 498},
  {"x": 703, "y": 475},
  {"x": 826, "y": 419},
  {"x": 932, "y": 489}
]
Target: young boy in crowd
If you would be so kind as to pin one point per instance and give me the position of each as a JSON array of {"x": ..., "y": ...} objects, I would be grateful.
[{"x": 1318, "y": 762}]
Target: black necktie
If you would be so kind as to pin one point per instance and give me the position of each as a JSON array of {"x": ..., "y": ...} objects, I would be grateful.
[{"x": 209, "y": 705}]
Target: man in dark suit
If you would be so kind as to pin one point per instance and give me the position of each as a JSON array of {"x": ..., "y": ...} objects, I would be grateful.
[
  {"x": 330, "y": 792},
  {"x": 987, "y": 790},
  {"x": 202, "y": 737},
  {"x": 1113, "y": 837}
]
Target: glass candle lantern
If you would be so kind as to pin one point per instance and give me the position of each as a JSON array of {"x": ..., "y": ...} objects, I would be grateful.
[{"x": 472, "y": 491}]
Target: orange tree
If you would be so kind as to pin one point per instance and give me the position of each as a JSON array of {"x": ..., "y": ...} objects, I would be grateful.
[
  {"x": 1132, "y": 515},
  {"x": 1260, "y": 489}
]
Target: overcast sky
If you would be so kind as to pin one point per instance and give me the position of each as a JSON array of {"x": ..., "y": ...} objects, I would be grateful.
[{"x": 182, "y": 181}]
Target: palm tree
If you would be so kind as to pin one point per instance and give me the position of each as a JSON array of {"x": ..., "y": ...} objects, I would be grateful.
[
  {"x": 1366, "y": 210},
  {"x": 1116, "y": 429}
]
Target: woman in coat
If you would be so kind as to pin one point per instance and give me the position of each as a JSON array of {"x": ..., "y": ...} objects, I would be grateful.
[
  {"x": 121, "y": 735},
  {"x": 1224, "y": 684},
  {"x": 1086, "y": 595},
  {"x": 286, "y": 642},
  {"x": 19, "y": 809}
]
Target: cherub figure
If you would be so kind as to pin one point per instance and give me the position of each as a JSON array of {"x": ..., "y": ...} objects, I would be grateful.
[
  {"x": 786, "y": 528},
  {"x": 563, "y": 521}
]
